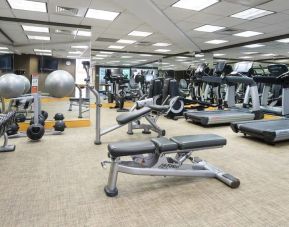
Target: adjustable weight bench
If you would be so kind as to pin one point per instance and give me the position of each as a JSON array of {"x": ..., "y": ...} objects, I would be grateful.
[
  {"x": 158, "y": 150},
  {"x": 134, "y": 116}
]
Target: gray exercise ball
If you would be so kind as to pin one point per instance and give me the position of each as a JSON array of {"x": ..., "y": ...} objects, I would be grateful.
[
  {"x": 11, "y": 86},
  {"x": 26, "y": 83},
  {"x": 59, "y": 83}
]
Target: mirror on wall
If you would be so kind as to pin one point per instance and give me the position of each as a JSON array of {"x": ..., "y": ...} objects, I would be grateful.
[{"x": 40, "y": 50}]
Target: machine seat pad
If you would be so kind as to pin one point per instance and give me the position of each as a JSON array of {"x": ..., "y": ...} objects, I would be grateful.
[
  {"x": 77, "y": 99},
  {"x": 119, "y": 149},
  {"x": 198, "y": 141},
  {"x": 159, "y": 108},
  {"x": 164, "y": 144},
  {"x": 125, "y": 118}
]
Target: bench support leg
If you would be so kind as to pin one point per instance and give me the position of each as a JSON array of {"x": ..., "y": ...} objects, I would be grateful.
[{"x": 110, "y": 189}]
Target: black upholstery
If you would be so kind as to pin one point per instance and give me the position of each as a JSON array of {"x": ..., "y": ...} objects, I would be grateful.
[
  {"x": 131, "y": 148},
  {"x": 164, "y": 144},
  {"x": 198, "y": 141},
  {"x": 125, "y": 118},
  {"x": 159, "y": 108}
]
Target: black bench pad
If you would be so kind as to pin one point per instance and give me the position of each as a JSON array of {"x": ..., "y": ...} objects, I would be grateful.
[
  {"x": 131, "y": 148},
  {"x": 125, "y": 118},
  {"x": 159, "y": 108},
  {"x": 164, "y": 144},
  {"x": 198, "y": 141}
]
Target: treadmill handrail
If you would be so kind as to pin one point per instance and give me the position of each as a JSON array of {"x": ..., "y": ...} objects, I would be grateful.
[{"x": 240, "y": 79}]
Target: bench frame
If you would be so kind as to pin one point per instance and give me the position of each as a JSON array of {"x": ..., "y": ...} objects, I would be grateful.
[{"x": 164, "y": 167}]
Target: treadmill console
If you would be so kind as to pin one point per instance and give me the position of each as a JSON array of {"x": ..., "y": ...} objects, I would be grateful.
[
  {"x": 220, "y": 66},
  {"x": 277, "y": 69},
  {"x": 242, "y": 67}
]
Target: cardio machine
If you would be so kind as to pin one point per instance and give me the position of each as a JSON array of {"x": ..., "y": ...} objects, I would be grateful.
[{"x": 241, "y": 74}]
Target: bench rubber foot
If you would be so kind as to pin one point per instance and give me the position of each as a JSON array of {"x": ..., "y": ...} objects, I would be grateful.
[{"x": 110, "y": 193}]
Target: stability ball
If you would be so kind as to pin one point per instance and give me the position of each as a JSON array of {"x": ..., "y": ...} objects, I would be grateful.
[
  {"x": 59, "y": 83},
  {"x": 26, "y": 83},
  {"x": 11, "y": 86}
]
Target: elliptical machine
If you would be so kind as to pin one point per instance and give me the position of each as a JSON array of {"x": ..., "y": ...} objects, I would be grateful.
[{"x": 118, "y": 93}]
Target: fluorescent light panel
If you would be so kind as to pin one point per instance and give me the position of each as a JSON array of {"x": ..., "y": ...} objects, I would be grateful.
[
  {"x": 162, "y": 50},
  {"x": 126, "y": 56},
  {"x": 269, "y": 55},
  {"x": 3, "y": 48},
  {"x": 101, "y": 55},
  {"x": 248, "y": 34},
  {"x": 5, "y": 52},
  {"x": 101, "y": 14},
  {"x": 79, "y": 47},
  {"x": 254, "y": 45},
  {"x": 83, "y": 33},
  {"x": 44, "y": 54},
  {"x": 218, "y": 55},
  {"x": 38, "y": 37},
  {"x": 29, "y": 28},
  {"x": 145, "y": 55},
  {"x": 162, "y": 44},
  {"x": 140, "y": 33},
  {"x": 74, "y": 52},
  {"x": 199, "y": 55},
  {"x": 116, "y": 47},
  {"x": 106, "y": 52},
  {"x": 42, "y": 50},
  {"x": 28, "y": 5},
  {"x": 209, "y": 28},
  {"x": 250, "y": 52},
  {"x": 246, "y": 57},
  {"x": 196, "y": 5},
  {"x": 252, "y": 13},
  {"x": 283, "y": 40},
  {"x": 216, "y": 41},
  {"x": 126, "y": 41}
]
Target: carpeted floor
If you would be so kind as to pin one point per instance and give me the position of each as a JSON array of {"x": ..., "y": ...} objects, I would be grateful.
[{"x": 59, "y": 182}]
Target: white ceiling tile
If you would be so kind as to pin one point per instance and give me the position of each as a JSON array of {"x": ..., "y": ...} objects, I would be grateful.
[
  {"x": 224, "y": 9},
  {"x": 177, "y": 14}
]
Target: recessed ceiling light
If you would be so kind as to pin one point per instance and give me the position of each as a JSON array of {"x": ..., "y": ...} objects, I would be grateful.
[
  {"x": 162, "y": 44},
  {"x": 209, "y": 28},
  {"x": 283, "y": 40},
  {"x": 28, "y": 5},
  {"x": 42, "y": 50},
  {"x": 218, "y": 55},
  {"x": 69, "y": 56},
  {"x": 181, "y": 60},
  {"x": 248, "y": 34},
  {"x": 101, "y": 14},
  {"x": 145, "y": 55},
  {"x": 181, "y": 57},
  {"x": 269, "y": 55},
  {"x": 115, "y": 61},
  {"x": 254, "y": 45},
  {"x": 216, "y": 41},
  {"x": 44, "y": 54},
  {"x": 97, "y": 58},
  {"x": 252, "y": 13},
  {"x": 246, "y": 57},
  {"x": 37, "y": 37},
  {"x": 126, "y": 64},
  {"x": 140, "y": 33},
  {"x": 126, "y": 56},
  {"x": 83, "y": 33},
  {"x": 142, "y": 60},
  {"x": 126, "y": 41},
  {"x": 116, "y": 47},
  {"x": 250, "y": 52},
  {"x": 75, "y": 52},
  {"x": 101, "y": 55},
  {"x": 106, "y": 52},
  {"x": 194, "y": 5},
  {"x": 199, "y": 55},
  {"x": 29, "y": 28},
  {"x": 162, "y": 50},
  {"x": 284, "y": 60},
  {"x": 3, "y": 48},
  {"x": 79, "y": 47}
]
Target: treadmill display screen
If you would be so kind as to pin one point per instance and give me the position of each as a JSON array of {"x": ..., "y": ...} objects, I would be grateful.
[
  {"x": 200, "y": 68},
  {"x": 277, "y": 70},
  {"x": 243, "y": 67}
]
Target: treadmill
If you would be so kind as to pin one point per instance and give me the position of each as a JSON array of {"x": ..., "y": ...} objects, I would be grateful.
[
  {"x": 241, "y": 74},
  {"x": 270, "y": 131}
]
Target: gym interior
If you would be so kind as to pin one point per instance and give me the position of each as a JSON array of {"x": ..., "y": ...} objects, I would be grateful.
[{"x": 144, "y": 113}]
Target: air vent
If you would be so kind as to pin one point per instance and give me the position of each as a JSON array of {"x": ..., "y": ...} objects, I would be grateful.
[
  {"x": 107, "y": 40},
  {"x": 252, "y": 3},
  {"x": 228, "y": 31},
  {"x": 66, "y": 11},
  {"x": 144, "y": 43}
]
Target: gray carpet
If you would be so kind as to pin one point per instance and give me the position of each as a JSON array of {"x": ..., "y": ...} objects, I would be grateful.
[{"x": 59, "y": 182}]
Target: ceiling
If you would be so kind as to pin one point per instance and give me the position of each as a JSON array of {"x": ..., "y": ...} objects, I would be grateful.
[{"x": 166, "y": 23}]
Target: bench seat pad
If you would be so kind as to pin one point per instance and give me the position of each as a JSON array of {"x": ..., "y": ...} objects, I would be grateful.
[
  {"x": 125, "y": 118},
  {"x": 198, "y": 141}
]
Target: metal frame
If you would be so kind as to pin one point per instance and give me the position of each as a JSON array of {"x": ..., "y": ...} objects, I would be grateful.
[{"x": 164, "y": 167}]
